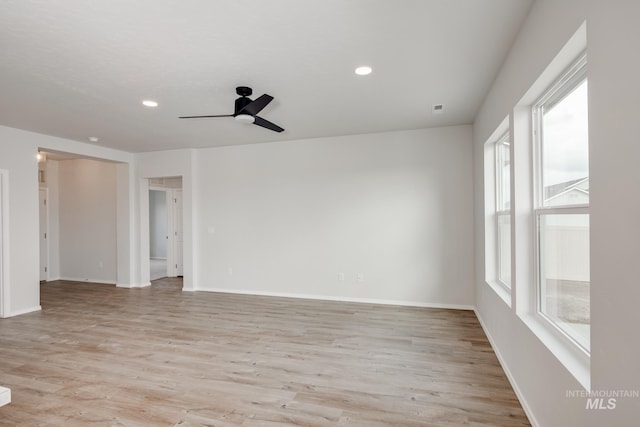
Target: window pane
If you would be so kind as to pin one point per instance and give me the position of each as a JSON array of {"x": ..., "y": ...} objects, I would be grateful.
[
  {"x": 504, "y": 249},
  {"x": 565, "y": 150},
  {"x": 564, "y": 273},
  {"x": 504, "y": 175}
]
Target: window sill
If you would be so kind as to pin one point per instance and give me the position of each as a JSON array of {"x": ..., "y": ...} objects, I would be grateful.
[
  {"x": 573, "y": 358},
  {"x": 503, "y": 292}
]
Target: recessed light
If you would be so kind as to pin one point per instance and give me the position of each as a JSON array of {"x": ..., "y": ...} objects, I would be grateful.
[
  {"x": 149, "y": 103},
  {"x": 93, "y": 139},
  {"x": 364, "y": 70}
]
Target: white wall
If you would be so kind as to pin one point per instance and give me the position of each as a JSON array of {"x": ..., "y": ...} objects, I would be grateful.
[
  {"x": 542, "y": 381},
  {"x": 287, "y": 218},
  {"x": 18, "y": 157},
  {"x": 614, "y": 109},
  {"x": 87, "y": 216}
]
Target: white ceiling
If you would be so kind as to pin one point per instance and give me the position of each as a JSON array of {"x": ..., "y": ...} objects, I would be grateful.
[{"x": 75, "y": 69}]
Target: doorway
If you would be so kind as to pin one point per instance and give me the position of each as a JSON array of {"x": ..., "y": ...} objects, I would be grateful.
[
  {"x": 82, "y": 219},
  {"x": 165, "y": 228}
]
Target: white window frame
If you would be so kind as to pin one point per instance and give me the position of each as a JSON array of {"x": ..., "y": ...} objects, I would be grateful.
[
  {"x": 523, "y": 205},
  {"x": 491, "y": 177},
  {"x": 500, "y": 212},
  {"x": 572, "y": 77}
]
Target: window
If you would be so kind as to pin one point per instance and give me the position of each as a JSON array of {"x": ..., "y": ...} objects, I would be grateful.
[
  {"x": 562, "y": 204},
  {"x": 498, "y": 207},
  {"x": 503, "y": 210}
]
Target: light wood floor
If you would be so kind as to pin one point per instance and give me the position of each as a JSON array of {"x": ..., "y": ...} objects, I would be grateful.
[{"x": 101, "y": 356}]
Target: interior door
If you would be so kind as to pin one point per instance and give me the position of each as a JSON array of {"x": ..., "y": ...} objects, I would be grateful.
[
  {"x": 44, "y": 231},
  {"x": 177, "y": 229}
]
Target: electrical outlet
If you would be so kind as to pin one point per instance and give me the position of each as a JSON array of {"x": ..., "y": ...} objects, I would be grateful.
[
  {"x": 360, "y": 277},
  {"x": 341, "y": 277},
  {"x": 230, "y": 271}
]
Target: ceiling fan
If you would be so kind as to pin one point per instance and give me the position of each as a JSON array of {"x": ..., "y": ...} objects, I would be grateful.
[{"x": 246, "y": 110}]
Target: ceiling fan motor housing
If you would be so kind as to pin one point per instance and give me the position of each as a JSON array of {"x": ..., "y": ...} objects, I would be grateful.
[{"x": 241, "y": 103}]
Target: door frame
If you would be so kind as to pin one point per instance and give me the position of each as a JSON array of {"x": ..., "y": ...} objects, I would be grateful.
[
  {"x": 4, "y": 243},
  {"x": 167, "y": 197},
  {"x": 46, "y": 243},
  {"x": 145, "y": 243},
  {"x": 172, "y": 249}
]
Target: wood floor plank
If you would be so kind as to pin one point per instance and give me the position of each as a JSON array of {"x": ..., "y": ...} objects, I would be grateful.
[{"x": 103, "y": 356}]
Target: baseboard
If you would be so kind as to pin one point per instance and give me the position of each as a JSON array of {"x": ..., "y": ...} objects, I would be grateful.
[
  {"x": 5, "y": 396},
  {"x": 24, "y": 311},
  {"x": 505, "y": 368},
  {"x": 75, "y": 279},
  {"x": 341, "y": 299},
  {"x": 133, "y": 285}
]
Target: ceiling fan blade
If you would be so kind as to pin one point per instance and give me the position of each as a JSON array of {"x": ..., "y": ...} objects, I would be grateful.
[
  {"x": 256, "y": 106},
  {"x": 267, "y": 124},
  {"x": 203, "y": 117}
]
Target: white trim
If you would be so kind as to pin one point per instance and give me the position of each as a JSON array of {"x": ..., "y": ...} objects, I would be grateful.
[
  {"x": 570, "y": 354},
  {"x": 505, "y": 139},
  {"x": 492, "y": 200},
  {"x": 563, "y": 210},
  {"x": 501, "y": 290},
  {"x": 500, "y": 212},
  {"x": 144, "y": 250},
  {"x": 499, "y": 251},
  {"x": 5, "y": 396},
  {"x": 173, "y": 259},
  {"x": 76, "y": 279},
  {"x": 339, "y": 299},
  {"x": 24, "y": 311},
  {"x": 563, "y": 346},
  {"x": 48, "y": 231},
  {"x": 144, "y": 246},
  {"x": 132, "y": 285},
  {"x": 156, "y": 187},
  {"x": 571, "y": 77},
  {"x": 171, "y": 233},
  {"x": 523, "y": 402}
]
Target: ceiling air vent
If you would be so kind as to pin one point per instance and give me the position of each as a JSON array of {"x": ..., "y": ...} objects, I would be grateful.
[{"x": 436, "y": 109}]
